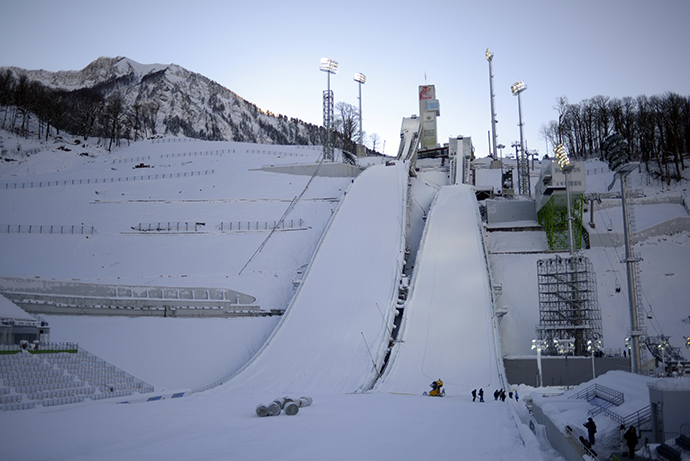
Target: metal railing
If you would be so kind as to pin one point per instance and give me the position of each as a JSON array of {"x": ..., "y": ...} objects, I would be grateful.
[
  {"x": 75, "y": 182},
  {"x": 47, "y": 229},
  {"x": 605, "y": 393}
]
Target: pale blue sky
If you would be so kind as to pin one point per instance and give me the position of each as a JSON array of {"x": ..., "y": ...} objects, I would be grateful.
[{"x": 268, "y": 52}]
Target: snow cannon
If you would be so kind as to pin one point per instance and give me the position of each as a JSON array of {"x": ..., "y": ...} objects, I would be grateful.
[{"x": 436, "y": 389}]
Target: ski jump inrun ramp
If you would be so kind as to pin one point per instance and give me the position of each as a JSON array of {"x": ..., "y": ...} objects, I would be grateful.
[{"x": 334, "y": 335}]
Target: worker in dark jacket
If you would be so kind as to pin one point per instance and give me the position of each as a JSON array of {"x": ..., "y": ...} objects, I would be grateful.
[
  {"x": 591, "y": 430},
  {"x": 631, "y": 440}
]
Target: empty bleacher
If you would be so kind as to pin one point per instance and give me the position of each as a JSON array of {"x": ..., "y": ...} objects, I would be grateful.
[{"x": 59, "y": 377}]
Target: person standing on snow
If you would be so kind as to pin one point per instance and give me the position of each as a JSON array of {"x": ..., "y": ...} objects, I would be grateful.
[
  {"x": 631, "y": 440},
  {"x": 591, "y": 430},
  {"x": 481, "y": 394},
  {"x": 474, "y": 395}
]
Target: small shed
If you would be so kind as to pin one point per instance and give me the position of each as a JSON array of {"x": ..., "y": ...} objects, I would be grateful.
[
  {"x": 17, "y": 325},
  {"x": 670, "y": 407}
]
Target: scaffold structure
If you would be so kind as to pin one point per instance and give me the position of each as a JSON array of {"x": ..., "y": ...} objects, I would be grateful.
[
  {"x": 568, "y": 305},
  {"x": 328, "y": 124}
]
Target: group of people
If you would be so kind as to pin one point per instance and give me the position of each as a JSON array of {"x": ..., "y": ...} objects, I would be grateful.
[
  {"x": 501, "y": 394},
  {"x": 481, "y": 395},
  {"x": 498, "y": 394}
]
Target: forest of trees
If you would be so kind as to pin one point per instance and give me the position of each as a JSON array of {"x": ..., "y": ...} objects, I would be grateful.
[{"x": 656, "y": 128}]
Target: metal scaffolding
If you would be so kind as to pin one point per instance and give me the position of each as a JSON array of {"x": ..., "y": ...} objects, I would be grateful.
[
  {"x": 568, "y": 307},
  {"x": 328, "y": 124}
]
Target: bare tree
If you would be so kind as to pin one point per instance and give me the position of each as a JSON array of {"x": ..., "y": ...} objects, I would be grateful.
[
  {"x": 374, "y": 140},
  {"x": 347, "y": 123}
]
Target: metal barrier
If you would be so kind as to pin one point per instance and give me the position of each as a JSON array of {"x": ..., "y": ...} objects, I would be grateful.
[{"x": 46, "y": 229}]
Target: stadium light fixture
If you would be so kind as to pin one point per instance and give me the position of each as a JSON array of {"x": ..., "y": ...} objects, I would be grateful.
[
  {"x": 522, "y": 162},
  {"x": 329, "y": 65},
  {"x": 566, "y": 167}
]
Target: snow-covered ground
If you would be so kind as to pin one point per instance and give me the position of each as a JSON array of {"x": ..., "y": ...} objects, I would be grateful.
[{"x": 189, "y": 353}]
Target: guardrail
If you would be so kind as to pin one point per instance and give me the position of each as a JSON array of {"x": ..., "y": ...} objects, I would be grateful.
[
  {"x": 605, "y": 393},
  {"x": 76, "y": 182},
  {"x": 47, "y": 229}
]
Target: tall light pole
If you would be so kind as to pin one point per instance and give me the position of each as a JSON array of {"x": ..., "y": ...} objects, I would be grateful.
[
  {"x": 489, "y": 57},
  {"x": 565, "y": 347},
  {"x": 330, "y": 67},
  {"x": 566, "y": 167},
  {"x": 523, "y": 166},
  {"x": 539, "y": 345},
  {"x": 360, "y": 78},
  {"x": 615, "y": 149},
  {"x": 593, "y": 346}
]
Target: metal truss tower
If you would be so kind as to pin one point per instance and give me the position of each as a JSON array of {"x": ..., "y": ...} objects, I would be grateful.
[
  {"x": 524, "y": 186},
  {"x": 568, "y": 306},
  {"x": 328, "y": 124}
]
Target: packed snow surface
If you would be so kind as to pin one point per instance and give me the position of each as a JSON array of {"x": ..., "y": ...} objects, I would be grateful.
[
  {"x": 333, "y": 315},
  {"x": 448, "y": 327}
]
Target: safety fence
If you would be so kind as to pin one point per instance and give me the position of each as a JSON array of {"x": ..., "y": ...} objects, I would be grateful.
[
  {"x": 47, "y": 229},
  {"x": 198, "y": 154},
  {"x": 75, "y": 182},
  {"x": 261, "y": 225},
  {"x": 225, "y": 226},
  {"x": 130, "y": 160},
  {"x": 169, "y": 227}
]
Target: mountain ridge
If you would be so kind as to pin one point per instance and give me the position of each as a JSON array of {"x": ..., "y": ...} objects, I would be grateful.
[{"x": 160, "y": 99}]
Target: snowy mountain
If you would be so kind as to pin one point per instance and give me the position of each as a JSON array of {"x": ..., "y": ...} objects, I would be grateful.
[{"x": 154, "y": 99}]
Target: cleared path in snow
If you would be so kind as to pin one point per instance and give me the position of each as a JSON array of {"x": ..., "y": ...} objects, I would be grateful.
[
  {"x": 448, "y": 329},
  {"x": 337, "y": 324}
]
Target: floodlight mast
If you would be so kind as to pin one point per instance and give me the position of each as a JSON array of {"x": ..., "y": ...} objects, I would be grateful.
[
  {"x": 489, "y": 57},
  {"x": 330, "y": 67},
  {"x": 566, "y": 167},
  {"x": 522, "y": 162},
  {"x": 360, "y": 79}
]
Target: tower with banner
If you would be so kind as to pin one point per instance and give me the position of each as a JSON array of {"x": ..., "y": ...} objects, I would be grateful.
[{"x": 429, "y": 109}]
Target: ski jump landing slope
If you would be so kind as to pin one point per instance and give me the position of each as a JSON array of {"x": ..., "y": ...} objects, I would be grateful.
[
  {"x": 337, "y": 324},
  {"x": 448, "y": 329}
]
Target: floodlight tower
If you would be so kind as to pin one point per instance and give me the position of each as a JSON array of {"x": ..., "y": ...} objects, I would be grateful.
[
  {"x": 566, "y": 167},
  {"x": 539, "y": 345},
  {"x": 489, "y": 57},
  {"x": 615, "y": 149},
  {"x": 330, "y": 67},
  {"x": 593, "y": 346},
  {"x": 522, "y": 163},
  {"x": 360, "y": 79}
]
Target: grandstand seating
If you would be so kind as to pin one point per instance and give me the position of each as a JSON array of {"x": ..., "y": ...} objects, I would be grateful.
[{"x": 60, "y": 378}]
